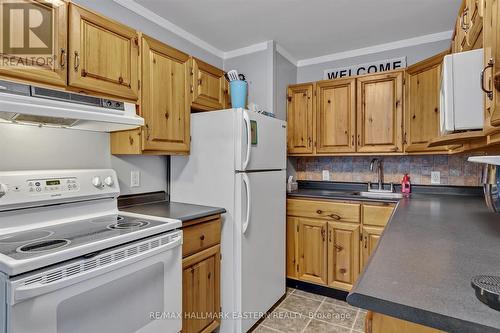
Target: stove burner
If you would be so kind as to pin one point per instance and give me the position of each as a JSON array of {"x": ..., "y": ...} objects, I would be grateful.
[
  {"x": 43, "y": 245},
  {"x": 129, "y": 225},
  {"x": 25, "y": 236},
  {"x": 106, "y": 219}
]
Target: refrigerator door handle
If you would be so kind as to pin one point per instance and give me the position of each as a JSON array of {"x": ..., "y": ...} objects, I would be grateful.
[
  {"x": 246, "y": 118},
  {"x": 246, "y": 180}
]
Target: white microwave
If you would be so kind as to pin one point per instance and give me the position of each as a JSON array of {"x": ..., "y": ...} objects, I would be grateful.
[{"x": 461, "y": 97}]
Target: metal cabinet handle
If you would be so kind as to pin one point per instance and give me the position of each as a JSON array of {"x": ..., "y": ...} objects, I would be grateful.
[
  {"x": 352, "y": 143},
  {"x": 335, "y": 216},
  {"x": 366, "y": 242},
  {"x": 488, "y": 93},
  {"x": 465, "y": 26},
  {"x": 148, "y": 132},
  {"x": 323, "y": 233},
  {"x": 330, "y": 236},
  {"x": 62, "y": 60},
  {"x": 359, "y": 139},
  {"x": 77, "y": 61}
]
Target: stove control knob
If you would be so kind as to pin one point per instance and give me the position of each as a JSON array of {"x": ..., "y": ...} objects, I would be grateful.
[
  {"x": 109, "y": 181},
  {"x": 3, "y": 190},
  {"x": 97, "y": 182}
]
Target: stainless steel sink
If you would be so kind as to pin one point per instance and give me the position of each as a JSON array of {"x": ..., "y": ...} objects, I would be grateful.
[{"x": 381, "y": 195}]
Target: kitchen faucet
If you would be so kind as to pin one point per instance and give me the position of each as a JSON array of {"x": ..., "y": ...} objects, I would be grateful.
[{"x": 380, "y": 172}]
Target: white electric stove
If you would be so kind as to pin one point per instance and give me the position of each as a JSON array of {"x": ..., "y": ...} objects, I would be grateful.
[{"x": 71, "y": 262}]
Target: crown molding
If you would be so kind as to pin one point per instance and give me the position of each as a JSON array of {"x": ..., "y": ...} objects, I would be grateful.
[
  {"x": 246, "y": 50},
  {"x": 164, "y": 23},
  {"x": 281, "y": 50},
  {"x": 425, "y": 39}
]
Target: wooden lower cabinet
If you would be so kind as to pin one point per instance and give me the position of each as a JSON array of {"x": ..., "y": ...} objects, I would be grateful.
[
  {"x": 379, "y": 323},
  {"x": 312, "y": 250},
  {"x": 328, "y": 242},
  {"x": 343, "y": 254},
  {"x": 370, "y": 235},
  {"x": 201, "y": 277}
]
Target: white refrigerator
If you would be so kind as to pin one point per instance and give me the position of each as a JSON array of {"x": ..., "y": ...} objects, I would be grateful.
[{"x": 238, "y": 161}]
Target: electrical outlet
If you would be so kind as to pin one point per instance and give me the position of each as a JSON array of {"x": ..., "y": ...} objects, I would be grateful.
[
  {"x": 435, "y": 177},
  {"x": 326, "y": 175},
  {"x": 135, "y": 178}
]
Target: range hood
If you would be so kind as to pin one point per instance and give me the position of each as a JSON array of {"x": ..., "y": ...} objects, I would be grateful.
[{"x": 31, "y": 105}]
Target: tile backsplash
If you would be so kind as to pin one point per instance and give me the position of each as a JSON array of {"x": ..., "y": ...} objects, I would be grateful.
[{"x": 454, "y": 169}]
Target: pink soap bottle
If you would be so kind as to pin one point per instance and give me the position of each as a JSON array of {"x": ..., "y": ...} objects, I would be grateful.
[{"x": 406, "y": 185}]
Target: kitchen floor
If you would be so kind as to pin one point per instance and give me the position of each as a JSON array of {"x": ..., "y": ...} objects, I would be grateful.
[{"x": 304, "y": 312}]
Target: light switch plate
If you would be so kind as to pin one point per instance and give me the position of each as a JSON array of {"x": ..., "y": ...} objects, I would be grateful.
[
  {"x": 326, "y": 175},
  {"x": 435, "y": 177},
  {"x": 135, "y": 178}
]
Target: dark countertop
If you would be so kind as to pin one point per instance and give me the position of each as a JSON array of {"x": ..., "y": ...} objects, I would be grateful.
[
  {"x": 147, "y": 205},
  {"x": 422, "y": 267}
]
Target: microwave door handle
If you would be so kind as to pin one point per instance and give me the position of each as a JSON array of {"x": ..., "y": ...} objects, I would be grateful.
[
  {"x": 23, "y": 293},
  {"x": 246, "y": 180},
  {"x": 248, "y": 126}
]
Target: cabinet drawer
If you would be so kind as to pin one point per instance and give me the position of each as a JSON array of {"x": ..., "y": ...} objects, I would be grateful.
[
  {"x": 333, "y": 211},
  {"x": 200, "y": 236},
  {"x": 377, "y": 215}
]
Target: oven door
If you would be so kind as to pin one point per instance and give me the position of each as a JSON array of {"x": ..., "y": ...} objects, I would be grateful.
[{"x": 132, "y": 288}]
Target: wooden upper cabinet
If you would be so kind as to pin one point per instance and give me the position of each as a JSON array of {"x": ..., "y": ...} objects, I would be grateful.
[
  {"x": 475, "y": 23},
  {"x": 312, "y": 250},
  {"x": 380, "y": 112},
  {"x": 300, "y": 118},
  {"x": 103, "y": 55},
  {"x": 423, "y": 81},
  {"x": 343, "y": 254},
  {"x": 494, "y": 45},
  {"x": 165, "y": 97},
  {"x": 336, "y": 116},
  {"x": 53, "y": 69},
  {"x": 208, "y": 86}
]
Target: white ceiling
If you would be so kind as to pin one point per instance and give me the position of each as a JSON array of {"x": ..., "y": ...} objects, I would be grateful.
[{"x": 307, "y": 28}]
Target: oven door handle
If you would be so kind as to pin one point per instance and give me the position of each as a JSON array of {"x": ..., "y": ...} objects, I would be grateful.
[{"x": 21, "y": 293}]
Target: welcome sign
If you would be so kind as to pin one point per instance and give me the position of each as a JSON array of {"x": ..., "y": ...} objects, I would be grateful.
[{"x": 368, "y": 68}]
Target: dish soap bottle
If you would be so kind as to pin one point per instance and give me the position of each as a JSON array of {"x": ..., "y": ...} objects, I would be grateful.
[{"x": 406, "y": 185}]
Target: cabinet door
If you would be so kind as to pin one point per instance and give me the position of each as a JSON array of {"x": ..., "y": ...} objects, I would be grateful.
[
  {"x": 207, "y": 86},
  {"x": 380, "y": 113},
  {"x": 475, "y": 24},
  {"x": 50, "y": 68},
  {"x": 343, "y": 254},
  {"x": 291, "y": 247},
  {"x": 423, "y": 83},
  {"x": 201, "y": 290},
  {"x": 165, "y": 97},
  {"x": 371, "y": 235},
  {"x": 300, "y": 119},
  {"x": 336, "y": 116},
  {"x": 103, "y": 55},
  {"x": 312, "y": 249},
  {"x": 495, "y": 56}
]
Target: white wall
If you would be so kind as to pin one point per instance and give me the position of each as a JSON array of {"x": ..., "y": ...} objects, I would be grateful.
[
  {"x": 286, "y": 74},
  {"x": 258, "y": 68},
  {"x": 414, "y": 54},
  {"x": 34, "y": 148}
]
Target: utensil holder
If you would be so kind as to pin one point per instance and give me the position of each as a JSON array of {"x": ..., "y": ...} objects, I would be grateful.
[{"x": 239, "y": 91}]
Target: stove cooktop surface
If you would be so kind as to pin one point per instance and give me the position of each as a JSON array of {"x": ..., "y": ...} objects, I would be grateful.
[{"x": 48, "y": 240}]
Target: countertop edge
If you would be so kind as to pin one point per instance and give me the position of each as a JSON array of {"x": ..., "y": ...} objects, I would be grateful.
[{"x": 415, "y": 315}]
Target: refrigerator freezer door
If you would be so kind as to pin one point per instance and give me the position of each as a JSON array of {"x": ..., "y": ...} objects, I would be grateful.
[
  {"x": 260, "y": 142},
  {"x": 259, "y": 243}
]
